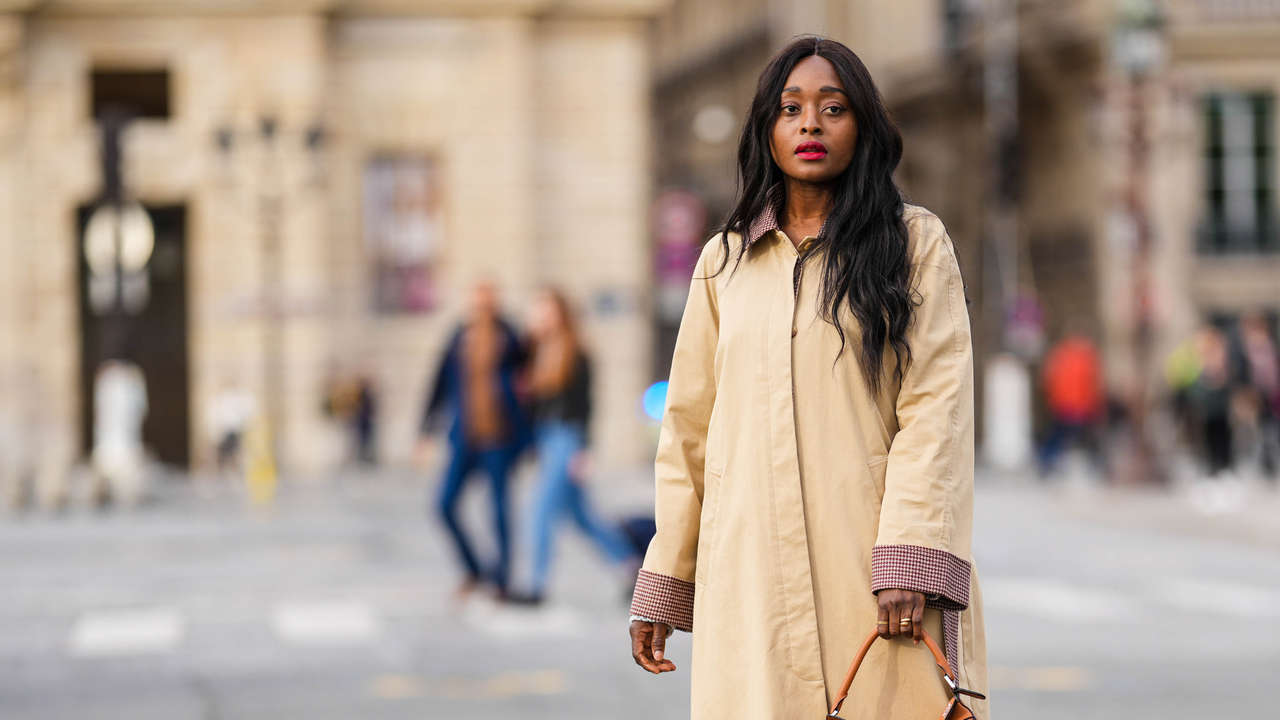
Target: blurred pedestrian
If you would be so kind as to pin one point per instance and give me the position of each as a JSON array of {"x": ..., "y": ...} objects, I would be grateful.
[
  {"x": 1210, "y": 398},
  {"x": 559, "y": 387},
  {"x": 476, "y": 386},
  {"x": 364, "y": 421},
  {"x": 230, "y": 412},
  {"x": 1072, "y": 382},
  {"x": 1260, "y": 381},
  {"x": 1181, "y": 371},
  {"x": 352, "y": 400},
  {"x": 120, "y": 407},
  {"x": 815, "y": 469}
]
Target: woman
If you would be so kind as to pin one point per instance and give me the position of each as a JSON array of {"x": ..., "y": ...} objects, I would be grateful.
[
  {"x": 815, "y": 471},
  {"x": 559, "y": 383},
  {"x": 1211, "y": 397},
  {"x": 1261, "y": 380}
]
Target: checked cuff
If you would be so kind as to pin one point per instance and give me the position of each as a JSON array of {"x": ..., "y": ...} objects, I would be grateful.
[
  {"x": 941, "y": 576},
  {"x": 662, "y": 598}
]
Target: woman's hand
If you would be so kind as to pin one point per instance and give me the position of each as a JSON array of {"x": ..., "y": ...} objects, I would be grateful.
[
  {"x": 648, "y": 640},
  {"x": 901, "y": 613}
]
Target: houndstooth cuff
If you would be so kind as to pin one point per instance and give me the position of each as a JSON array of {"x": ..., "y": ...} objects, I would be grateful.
[
  {"x": 923, "y": 570},
  {"x": 662, "y": 598},
  {"x": 941, "y": 576}
]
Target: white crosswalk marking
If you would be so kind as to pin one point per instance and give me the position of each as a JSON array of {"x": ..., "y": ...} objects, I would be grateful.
[
  {"x": 326, "y": 623},
  {"x": 117, "y": 633}
]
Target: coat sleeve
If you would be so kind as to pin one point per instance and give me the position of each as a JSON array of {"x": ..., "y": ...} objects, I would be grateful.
[
  {"x": 664, "y": 589},
  {"x": 438, "y": 398},
  {"x": 926, "y": 517}
]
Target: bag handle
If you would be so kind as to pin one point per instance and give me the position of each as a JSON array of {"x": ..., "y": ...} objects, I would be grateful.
[{"x": 938, "y": 656}]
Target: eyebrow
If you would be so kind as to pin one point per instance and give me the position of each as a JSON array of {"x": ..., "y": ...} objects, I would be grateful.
[{"x": 823, "y": 89}]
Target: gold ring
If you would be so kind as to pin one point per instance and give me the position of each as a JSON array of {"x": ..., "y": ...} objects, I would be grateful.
[
  {"x": 904, "y": 622},
  {"x": 882, "y": 622}
]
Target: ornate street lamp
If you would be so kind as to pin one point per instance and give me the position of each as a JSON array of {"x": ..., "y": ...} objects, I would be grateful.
[
  {"x": 1138, "y": 42},
  {"x": 118, "y": 241},
  {"x": 1138, "y": 51},
  {"x": 265, "y": 431}
]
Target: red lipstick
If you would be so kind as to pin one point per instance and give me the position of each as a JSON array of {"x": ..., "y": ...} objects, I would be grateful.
[{"x": 811, "y": 150}]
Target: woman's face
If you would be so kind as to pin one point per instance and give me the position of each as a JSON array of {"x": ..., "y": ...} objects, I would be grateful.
[
  {"x": 544, "y": 315},
  {"x": 815, "y": 134}
]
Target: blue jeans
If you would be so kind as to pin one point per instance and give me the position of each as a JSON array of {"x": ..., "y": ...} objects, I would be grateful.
[
  {"x": 557, "y": 494},
  {"x": 1062, "y": 437},
  {"x": 497, "y": 465}
]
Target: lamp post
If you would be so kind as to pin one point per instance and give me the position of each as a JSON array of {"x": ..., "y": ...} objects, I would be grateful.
[
  {"x": 118, "y": 241},
  {"x": 272, "y": 141},
  {"x": 270, "y": 217},
  {"x": 1007, "y": 418},
  {"x": 1138, "y": 51}
]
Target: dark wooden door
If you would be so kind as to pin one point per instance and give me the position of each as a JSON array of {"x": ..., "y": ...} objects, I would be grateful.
[{"x": 156, "y": 339}]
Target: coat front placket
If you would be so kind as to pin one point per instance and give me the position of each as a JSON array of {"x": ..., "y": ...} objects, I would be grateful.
[{"x": 790, "y": 534}]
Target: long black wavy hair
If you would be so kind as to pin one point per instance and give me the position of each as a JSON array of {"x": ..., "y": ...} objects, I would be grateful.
[{"x": 864, "y": 237}]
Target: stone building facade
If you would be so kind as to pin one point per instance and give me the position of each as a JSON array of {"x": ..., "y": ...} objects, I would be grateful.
[
  {"x": 287, "y": 125},
  {"x": 1204, "y": 110}
]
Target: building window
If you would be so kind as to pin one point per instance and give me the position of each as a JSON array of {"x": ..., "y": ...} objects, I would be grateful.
[
  {"x": 402, "y": 230},
  {"x": 1240, "y": 174},
  {"x": 137, "y": 93}
]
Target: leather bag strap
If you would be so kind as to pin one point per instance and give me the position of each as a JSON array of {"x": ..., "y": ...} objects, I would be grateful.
[{"x": 938, "y": 657}]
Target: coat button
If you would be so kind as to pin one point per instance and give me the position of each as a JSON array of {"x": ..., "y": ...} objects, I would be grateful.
[{"x": 793, "y": 332}]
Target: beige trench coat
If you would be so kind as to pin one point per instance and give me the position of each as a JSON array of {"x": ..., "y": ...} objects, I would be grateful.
[{"x": 787, "y": 494}]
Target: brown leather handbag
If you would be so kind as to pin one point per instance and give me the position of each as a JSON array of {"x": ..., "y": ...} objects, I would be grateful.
[{"x": 955, "y": 709}]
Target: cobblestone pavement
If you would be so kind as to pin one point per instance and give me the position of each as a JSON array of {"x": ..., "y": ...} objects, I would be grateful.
[{"x": 338, "y": 604}]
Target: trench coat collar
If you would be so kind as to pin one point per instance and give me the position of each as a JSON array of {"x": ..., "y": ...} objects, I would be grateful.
[{"x": 767, "y": 221}]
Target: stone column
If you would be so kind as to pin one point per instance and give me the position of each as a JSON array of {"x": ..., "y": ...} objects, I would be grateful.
[
  {"x": 594, "y": 188},
  {"x": 15, "y": 458}
]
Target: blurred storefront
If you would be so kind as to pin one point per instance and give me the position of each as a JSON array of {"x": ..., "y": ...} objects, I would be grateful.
[
  {"x": 1140, "y": 168},
  {"x": 325, "y": 179}
]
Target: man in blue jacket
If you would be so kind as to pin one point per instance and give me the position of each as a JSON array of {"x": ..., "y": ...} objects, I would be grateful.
[{"x": 476, "y": 389}]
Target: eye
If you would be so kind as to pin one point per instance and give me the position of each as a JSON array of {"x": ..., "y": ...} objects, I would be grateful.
[
  {"x": 833, "y": 110},
  {"x": 790, "y": 108}
]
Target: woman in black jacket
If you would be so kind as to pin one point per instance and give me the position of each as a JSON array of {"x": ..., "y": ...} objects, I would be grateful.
[{"x": 559, "y": 384}]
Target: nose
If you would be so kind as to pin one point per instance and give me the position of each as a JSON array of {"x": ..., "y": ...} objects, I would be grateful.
[{"x": 809, "y": 124}]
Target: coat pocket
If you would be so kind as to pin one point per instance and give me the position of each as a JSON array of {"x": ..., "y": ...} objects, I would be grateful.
[
  {"x": 879, "y": 467},
  {"x": 712, "y": 480}
]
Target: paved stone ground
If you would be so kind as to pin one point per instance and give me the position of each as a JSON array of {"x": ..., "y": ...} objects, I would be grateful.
[{"x": 337, "y": 604}]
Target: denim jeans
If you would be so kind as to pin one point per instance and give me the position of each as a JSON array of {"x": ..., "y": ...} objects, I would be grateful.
[
  {"x": 557, "y": 494},
  {"x": 497, "y": 465}
]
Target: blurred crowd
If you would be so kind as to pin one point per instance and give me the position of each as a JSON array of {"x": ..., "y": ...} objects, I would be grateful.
[
  {"x": 1222, "y": 398},
  {"x": 1225, "y": 385}
]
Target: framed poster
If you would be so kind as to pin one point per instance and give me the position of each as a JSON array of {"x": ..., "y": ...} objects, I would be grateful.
[{"x": 402, "y": 231}]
